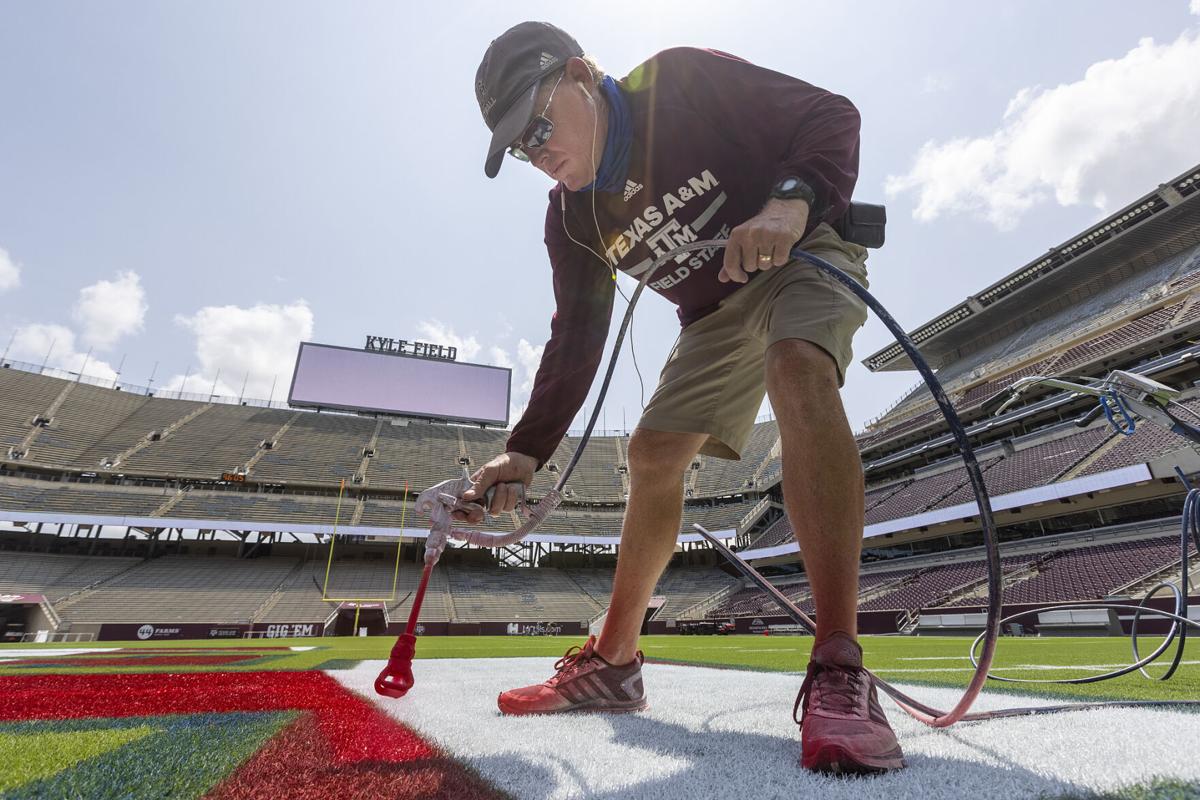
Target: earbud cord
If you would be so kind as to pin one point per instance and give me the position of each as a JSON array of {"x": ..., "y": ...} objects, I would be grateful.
[{"x": 600, "y": 238}]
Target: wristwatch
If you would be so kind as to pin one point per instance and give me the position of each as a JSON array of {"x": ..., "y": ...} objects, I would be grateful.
[{"x": 793, "y": 188}]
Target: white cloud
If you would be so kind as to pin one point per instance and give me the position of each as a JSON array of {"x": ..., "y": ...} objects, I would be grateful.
[
  {"x": 1194, "y": 7},
  {"x": 523, "y": 360},
  {"x": 33, "y": 343},
  {"x": 1127, "y": 124},
  {"x": 109, "y": 310},
  {"x": 936, "y": 83},
  {"x": 256, "y": 344},
  {"x": 524, "y": 363},
  {"x": 437, "y": 332},
  {"x": 499, "y": 357},
  {"x": 528, "y": 360},
  {"x": 10, "y": 272}
]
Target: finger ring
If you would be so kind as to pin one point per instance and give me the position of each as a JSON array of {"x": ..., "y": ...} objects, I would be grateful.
[{"x": 762, "y": 257}]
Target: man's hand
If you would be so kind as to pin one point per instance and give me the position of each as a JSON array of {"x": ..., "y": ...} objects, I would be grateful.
[
  {"x": 765, "y": 240},
  {"x": 507, "y": 473}
]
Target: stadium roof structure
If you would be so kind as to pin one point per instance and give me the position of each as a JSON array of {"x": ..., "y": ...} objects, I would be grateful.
[{"x": 1156, "y": 226}]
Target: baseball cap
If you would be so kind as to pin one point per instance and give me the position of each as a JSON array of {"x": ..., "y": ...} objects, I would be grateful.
[{"x": 506, "y": 82}]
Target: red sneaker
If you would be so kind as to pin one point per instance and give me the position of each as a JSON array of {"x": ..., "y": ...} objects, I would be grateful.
[
  {"x": 843, "y": 728},
  {"x": 583, "y": 682}
]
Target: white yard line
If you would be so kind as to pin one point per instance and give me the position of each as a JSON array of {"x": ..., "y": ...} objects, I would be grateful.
[
  {"x": 51, "y": 652},
  {"x": 761, "y": 649},
  {"x": 1019, "y": 667},
  {"x": 1162, "y": 662},
  {"x": 728, "y": 733}
]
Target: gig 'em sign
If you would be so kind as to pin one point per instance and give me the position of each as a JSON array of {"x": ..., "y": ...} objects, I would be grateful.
[{"x": 402, "y": 347}]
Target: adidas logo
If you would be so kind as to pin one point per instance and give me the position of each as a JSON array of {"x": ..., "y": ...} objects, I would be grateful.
[
  {"x": 546, "y": 60},
  {"x": 631, "y": 189}
]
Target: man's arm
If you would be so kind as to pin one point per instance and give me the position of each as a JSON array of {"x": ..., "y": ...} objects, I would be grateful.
[
  {"x": 807, "y": 132},
  {"x": 583, "y": 294}
]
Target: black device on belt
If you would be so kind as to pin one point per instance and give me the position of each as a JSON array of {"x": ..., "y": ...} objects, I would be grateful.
[{"x": 862, "y": 224}]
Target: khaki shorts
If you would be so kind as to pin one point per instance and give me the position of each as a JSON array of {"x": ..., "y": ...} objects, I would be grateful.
[{"x": 714, "y": 380}]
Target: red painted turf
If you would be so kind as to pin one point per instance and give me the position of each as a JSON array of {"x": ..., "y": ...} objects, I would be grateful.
[
  {"x": 300, "y": 765},
  {"x": 356, "y": 730},
  {"x": 195, "y": 649},
  {"x": 344, "y": 748}
]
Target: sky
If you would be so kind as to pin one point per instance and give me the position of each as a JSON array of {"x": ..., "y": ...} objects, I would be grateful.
[{"x": 187, "y": 190}]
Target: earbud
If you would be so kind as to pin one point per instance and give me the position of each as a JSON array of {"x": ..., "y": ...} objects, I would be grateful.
[{"x": 583, "y": 86}]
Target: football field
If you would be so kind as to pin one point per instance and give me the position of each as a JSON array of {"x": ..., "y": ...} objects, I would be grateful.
[{"x": 269, "y": 718}]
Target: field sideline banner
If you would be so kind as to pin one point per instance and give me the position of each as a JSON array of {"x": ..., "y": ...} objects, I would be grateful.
[{"x": 159, "y": 631}]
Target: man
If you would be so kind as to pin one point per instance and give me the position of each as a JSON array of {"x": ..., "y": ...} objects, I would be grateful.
[{"x": 696, "y": 144}]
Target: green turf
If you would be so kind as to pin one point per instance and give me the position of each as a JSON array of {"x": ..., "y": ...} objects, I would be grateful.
[
  {"x": 1156, "y": 790},
  {"x": 34, "y": 756},
  {"x": 176, "y": 756},
  {"x": 935, "y": 661}
]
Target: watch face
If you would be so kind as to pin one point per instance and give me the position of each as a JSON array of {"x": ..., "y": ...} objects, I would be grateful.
[{"x": 789, "y": 184}]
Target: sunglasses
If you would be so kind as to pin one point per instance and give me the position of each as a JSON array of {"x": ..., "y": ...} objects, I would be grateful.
[{"x": 538, "y": 131}]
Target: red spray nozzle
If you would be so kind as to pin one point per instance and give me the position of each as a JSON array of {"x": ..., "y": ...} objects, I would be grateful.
[{"x": 396, "y": 678}]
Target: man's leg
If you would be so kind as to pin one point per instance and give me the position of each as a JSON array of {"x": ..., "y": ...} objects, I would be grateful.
[
  {"x": 843, "y": 727},
  {"x": 657, "y": 460},
  {"x": 613, "y": 682},
  {"x": 822, "y": 478}
]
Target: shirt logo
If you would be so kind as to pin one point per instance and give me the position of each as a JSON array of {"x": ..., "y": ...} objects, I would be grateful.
[{"x": 631, "y": 189}]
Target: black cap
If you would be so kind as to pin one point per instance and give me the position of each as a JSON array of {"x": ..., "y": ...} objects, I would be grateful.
[{"x": 506, "y": 82}]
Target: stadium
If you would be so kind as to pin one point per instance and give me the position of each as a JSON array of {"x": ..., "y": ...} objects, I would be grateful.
[
  {"x": 308, "y": 486},
  {"x": 141, "y": 518}
]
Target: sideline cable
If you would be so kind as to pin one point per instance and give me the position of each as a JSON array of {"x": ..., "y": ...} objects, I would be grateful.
[{"x": 400, "y": 662}]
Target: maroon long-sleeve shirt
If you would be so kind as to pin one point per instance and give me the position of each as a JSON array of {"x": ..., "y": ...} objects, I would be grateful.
[{"x": 712, "y": 134}]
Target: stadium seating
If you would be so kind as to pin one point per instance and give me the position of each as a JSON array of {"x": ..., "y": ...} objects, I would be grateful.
[
  {"x": 923, "y": 493},
  {"x": 219, "y": 439},
  {"x": 1092, "y": 572},
  {"x": 118, "y": 436},
  {"x": 1122, "y": 314},
  {"x": 1148, "y": 443},
  {"x": 417, "y": 455},
  {"x": 56, "y": 576},
  {"x": 259, "y": 507},
  {"x": 25, "y": 396},
  {"x": 1033, "y": 466},
  {"x": 80, "y": 498},
  {"x": 299, "y": 598},
  {"x": 483, "y": 594},
  {"x": 88, "y": 415},
  {"x": 325, "y": 448},
  {"x": 718, "y": 476},
  {"x": 1089, "y": 572},
  {"x": 778, "y": 532},
  {"x": 181, "y": 589},
  {"x": 379, "y": 513},
  {"x": 683, "y": 587},
  {"x": 931, "y": 586}
]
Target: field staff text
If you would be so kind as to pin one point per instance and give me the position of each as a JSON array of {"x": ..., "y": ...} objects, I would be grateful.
[{"x": 382, "y": 344}]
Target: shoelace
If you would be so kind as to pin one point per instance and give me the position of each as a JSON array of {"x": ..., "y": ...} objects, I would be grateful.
[
  {"x": 569, "y": 662},
  {"x": 840, "y": 696}
]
